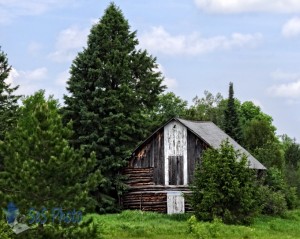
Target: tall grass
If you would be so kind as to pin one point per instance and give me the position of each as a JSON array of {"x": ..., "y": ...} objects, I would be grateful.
[{"x": 137, "y": 224}]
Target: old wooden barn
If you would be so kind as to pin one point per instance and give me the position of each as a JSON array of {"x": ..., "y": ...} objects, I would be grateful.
[{"x": 161, "y": 168}]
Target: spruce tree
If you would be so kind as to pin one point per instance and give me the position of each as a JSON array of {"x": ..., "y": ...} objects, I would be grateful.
[
  {"x": 231, "y": 117},
  {"x": 8, "y": 101},
  {"x": 41, "y": 170},
  {"x": 112, "y": 88}
]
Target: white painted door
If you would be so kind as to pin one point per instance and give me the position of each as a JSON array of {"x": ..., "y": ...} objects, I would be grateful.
[{"x": 175, "y": 202}]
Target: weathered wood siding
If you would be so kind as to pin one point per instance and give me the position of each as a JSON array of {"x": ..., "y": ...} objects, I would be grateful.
[
  {"x": 151, "y": 155},
  {"x": 175, "y": 203},
  {"x": 139, "y": 176},
  {"x": 146, "y": 201},
  {"x": 195, "y": 147},
  {"x": 160, "y": 170},
  {"x": 175, "y": 170},
  {"x": 175, "y": 145}
]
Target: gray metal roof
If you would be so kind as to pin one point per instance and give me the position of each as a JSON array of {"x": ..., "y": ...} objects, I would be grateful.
[{"x": 214, "y": 136}]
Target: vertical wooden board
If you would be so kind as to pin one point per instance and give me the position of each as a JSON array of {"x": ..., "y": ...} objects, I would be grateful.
[
  {"x": 170, "y": 162},
  {"x": 158, "y": 159},
  {"x": 195, "y": 148},
  {"x": 161, "y": 160},
  {"x": 176, "y": 170},
  {"x": 175, "y": 202},
  {"x": 175, "y": 144},
  {"x": 180, "y": 169}
]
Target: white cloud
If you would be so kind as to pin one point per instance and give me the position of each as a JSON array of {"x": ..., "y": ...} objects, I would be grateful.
[
  {"x": 239, "y": 6},
  {"x": 15, "y": 8},
  {"x": 27, "y": 80},
  {"x": 280, "y": 75},
  {"x": 291, "y": 28},
  {"x": 171, "y": 83},
  {"x": 62, "y": 78},
  {"x": 68, "y": 43},
  {"x": 13, "y": 75},
  {"x": 159, "y": 40},
  {"x": 34, "y": 48},
  {"x": 289, "y": 90}
]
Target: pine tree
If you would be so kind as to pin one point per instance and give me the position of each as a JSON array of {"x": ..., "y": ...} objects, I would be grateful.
[
  {"x": 231, "y": 120},
  {"x": 112, "y": 88},
  {"x": 41, "y": 170},
  {"x": 8, "y": 101}
]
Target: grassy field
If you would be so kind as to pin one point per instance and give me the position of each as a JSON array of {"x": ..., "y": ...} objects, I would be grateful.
[{"x": 136, "y": 224}]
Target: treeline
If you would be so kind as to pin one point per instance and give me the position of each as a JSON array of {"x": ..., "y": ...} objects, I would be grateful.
[
  {"x": 71, "y": 156},
  {"x": 250, "y": 127}
]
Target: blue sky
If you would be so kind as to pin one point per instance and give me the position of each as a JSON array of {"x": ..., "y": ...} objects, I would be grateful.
[{"x": 199, "y": 44}]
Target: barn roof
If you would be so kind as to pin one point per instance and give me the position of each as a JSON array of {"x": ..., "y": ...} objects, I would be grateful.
[{"x": 213, "y": 136}]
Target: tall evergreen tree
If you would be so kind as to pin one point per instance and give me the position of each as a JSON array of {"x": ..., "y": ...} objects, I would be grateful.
[
  {"x": 231, "y": 120},
  {"x": 41, "y": 170},
  {"x": 8, "y": 101},
  {"x": 112, "y": 88}
]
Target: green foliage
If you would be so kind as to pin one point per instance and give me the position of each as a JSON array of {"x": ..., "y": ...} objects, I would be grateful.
[
  {"x": 5, "y": 230},
  {"x": 8, "y": 101},
  {"x": 249, "y": 111},
  {"x": 258, "y": 133},
  {"x": 137, "y": 224},
  {"x": 270, "y": 155},
  {"x": 208, "y": 108},
  {"x": 40, "y": 168},
  {"x": 85, "y": 230},
  {"x": 292, "y": 155},
  {"x": 205, "y": 230},
  {"x": 276, "y": 181},
  {"x": 224, "y": 187},
  {"x": 169, "y": 106},
  {"x": 272, "y": 202},
  {"x": 112, "y": 89},
  {"x": 231, "y": 117}
]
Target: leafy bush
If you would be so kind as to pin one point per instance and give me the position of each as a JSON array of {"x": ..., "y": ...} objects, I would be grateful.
[
  {"x": 5, "y": 230},
  {"x": 276, "y": 181},
  {"x": 205, "y": 230},
  {"x": 272, "y": 202},
  {"x": 224, "y": 187}
]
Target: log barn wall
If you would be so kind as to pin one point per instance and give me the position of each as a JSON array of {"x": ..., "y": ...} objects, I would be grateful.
[
  {"x": 151, "y": 155},
  {"x": 162, "y": 167},
  {"x": 163, "y": 164}
]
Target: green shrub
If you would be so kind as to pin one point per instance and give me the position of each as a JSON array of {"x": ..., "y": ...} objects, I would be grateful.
[
  {"x": 272, "y": 202},
  {"x": 224, "y": 187},
  {"x": 5, "y": 230},
  {"x": 205, "y": 230},
  {"x": 277, "y": 183}
]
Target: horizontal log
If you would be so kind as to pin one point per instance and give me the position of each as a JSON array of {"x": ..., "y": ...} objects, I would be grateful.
[
  {"x": 162, "y": 203},
  {"x": 136, "y": 170},
  {"x": 139, "y": 180}
]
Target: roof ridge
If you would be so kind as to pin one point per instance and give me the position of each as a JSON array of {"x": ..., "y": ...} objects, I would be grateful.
[{"x": 195, "y": 121}]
